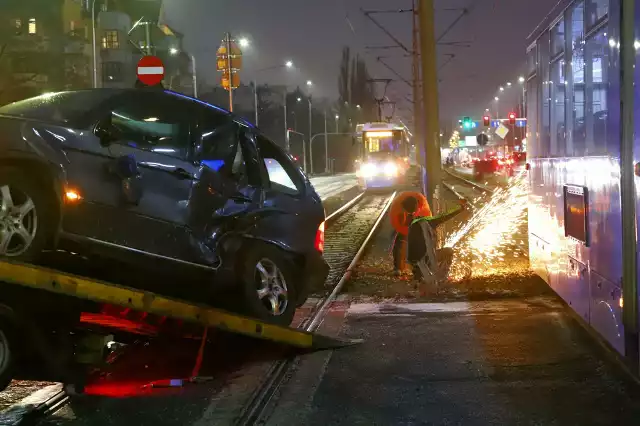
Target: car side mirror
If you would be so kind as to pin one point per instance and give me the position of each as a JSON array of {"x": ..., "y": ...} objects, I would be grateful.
[{"x": 106, "y": 132}]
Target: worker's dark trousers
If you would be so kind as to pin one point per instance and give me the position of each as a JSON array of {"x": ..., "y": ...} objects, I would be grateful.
[{"x": 399, "y": 252}]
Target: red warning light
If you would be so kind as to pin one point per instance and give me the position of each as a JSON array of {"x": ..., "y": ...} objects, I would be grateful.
[
  {"x": 512, "y": 118},
  {"x": 487, "y": 120}
]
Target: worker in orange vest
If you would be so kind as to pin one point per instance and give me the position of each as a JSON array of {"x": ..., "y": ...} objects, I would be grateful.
[{"x": 413, "y": 208}]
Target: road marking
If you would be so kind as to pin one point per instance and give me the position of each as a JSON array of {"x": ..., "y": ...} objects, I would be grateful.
[{"x": 402, "y": 308}]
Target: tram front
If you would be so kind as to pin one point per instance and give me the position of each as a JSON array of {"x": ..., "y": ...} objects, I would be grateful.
[{"x": 383, "y": 158}]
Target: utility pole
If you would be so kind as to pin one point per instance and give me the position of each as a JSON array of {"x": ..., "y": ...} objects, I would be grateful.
[
  {"x": 286, "y": 129},
  {"x": 255, "y": 99},
  {"x": 194, "y": 77},
  {"x": 229, "y": 70},
  {"x": 326, "y": 144},
  {"x": 417, "y": 96},
  {"x": 95, "y": 49},
  {"x": 310, "y": 134},
  {"x": 147, "y": 38},
  {"x": 431, "y": 133}
]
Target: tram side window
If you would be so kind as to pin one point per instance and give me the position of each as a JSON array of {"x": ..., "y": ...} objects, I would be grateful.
[{"x": 598, "y": 53}]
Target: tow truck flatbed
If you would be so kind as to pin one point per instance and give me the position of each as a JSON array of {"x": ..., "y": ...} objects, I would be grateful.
[{"x": 37, "y": 280}]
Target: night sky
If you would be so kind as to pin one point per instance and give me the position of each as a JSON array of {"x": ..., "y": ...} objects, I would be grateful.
[{"x": 312, "y": 33}]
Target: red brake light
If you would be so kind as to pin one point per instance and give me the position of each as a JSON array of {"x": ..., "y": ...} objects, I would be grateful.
[{"x": 319, "y": 243}]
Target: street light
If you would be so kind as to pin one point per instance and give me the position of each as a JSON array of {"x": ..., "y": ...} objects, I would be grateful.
[
  {"x": 501, "y": 89},
  {"x": 509, "y": 83},
  {"x": 288, "y": 64},
  {"x": 521, "y": 79},
  {"x": 299, "y": 99},
  {"x": 309, "y": 83},
  {"x": 244, "y": 42},
  {"x": 173, "y": 51}
]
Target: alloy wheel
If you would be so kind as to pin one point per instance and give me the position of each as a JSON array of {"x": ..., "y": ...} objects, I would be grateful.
[
  {"x": 18, "y": 221},
  {"x": 272, "y": 288}
]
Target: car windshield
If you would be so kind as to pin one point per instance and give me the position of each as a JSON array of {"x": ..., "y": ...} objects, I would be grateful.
[{"x": 61, "y": 107}]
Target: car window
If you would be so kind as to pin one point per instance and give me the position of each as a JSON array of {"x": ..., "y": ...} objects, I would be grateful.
[
  {"x": 61, "y": 108},
  {"x": 281, "y": 171},
  {"x": 154, "y": 123}
]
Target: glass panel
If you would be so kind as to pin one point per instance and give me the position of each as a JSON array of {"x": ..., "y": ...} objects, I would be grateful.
[
  {"x": 596, "y": 10},
  {"x": 558, "y": 125},
  {"x": 577, "y": 69},
  {"x": 598, "y": 52},
  {"x": 577, "y": 26},
  {"x": 557, "y": 38},
  {"x": 532, "y": 61}
]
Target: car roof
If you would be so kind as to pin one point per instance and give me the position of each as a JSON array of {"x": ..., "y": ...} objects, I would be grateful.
[{"x": 118, "y": 91}]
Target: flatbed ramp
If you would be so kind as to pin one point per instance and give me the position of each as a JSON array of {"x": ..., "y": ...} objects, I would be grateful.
[{"x": 54, "y": 281}]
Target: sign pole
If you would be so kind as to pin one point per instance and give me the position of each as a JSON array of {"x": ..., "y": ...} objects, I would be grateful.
[{"x": 229, "y": 70}]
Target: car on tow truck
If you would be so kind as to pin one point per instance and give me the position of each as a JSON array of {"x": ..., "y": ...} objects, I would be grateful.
[{"x": 160, "y": 180}]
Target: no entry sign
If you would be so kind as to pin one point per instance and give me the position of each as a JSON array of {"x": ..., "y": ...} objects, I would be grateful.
[{"x": 150, "y": 70}]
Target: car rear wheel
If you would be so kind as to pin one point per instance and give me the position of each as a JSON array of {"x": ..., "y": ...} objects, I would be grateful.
[
  {"x": 22, "y": 220},
  {"x": 6, "y": 357},
  {"x": 267, "y": 285}
]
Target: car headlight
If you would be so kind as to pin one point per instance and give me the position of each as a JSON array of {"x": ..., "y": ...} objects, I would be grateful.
[
  {"x": 390, "y": 169},
  {"x": 368, "y": 170}
]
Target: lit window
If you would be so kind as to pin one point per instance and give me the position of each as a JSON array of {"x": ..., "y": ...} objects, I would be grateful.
[
  {"x": 32, "y": 25},
  {"x": 72, "y": 26},
  {"x": 110, "y": 40},
  {"x": 17, "y": 23}
]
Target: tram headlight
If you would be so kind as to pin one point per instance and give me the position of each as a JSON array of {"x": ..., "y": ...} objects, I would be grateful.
[
  {"x": 390, "y": 169},
  {"x": 368, "y": 170}
]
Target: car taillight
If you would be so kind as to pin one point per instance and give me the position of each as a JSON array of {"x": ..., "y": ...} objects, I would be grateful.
[{"x": 319, "y": 244}]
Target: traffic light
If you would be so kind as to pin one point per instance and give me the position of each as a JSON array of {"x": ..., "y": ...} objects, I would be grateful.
[
  {"x": 512, "y": 118},
  {"x": 487, "y": 120},
  {"x": 466, "y": 122}
]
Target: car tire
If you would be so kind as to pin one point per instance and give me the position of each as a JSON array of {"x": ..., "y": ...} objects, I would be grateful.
[
  {"x": 267, "y": 281},
  {"x": 7, "y": 355},
  {"x": 23, "y": 221}
]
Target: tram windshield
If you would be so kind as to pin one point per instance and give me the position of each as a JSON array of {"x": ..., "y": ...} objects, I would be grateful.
[{"x": 384, "y": 143}]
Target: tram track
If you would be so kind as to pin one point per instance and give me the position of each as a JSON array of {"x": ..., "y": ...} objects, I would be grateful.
[
  {"x": 348, "y": 230},
  {"x": 349, "y": 238},
  {"x": 462, "y": 188}
]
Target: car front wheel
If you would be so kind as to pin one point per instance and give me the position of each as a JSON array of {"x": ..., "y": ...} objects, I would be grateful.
[
  {"x": 22, "y": 224},
  {"x": 267, "y": 285}
]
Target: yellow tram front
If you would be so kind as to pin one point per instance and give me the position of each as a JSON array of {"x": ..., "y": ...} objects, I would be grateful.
[{"x": 383, "y": 159}]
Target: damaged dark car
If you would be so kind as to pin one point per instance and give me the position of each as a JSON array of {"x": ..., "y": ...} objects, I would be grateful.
[{"x": 159, "y": 180}]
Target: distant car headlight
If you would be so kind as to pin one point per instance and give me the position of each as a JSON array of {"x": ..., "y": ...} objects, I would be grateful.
[
  {"x": 390, "y": 169},
  {"x": 368, "y": 170}
]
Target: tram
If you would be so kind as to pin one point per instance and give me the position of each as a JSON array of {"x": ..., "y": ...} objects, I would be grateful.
[
  {"x": 574, "y": 88},
  {"x": 384, "y": 154}
]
